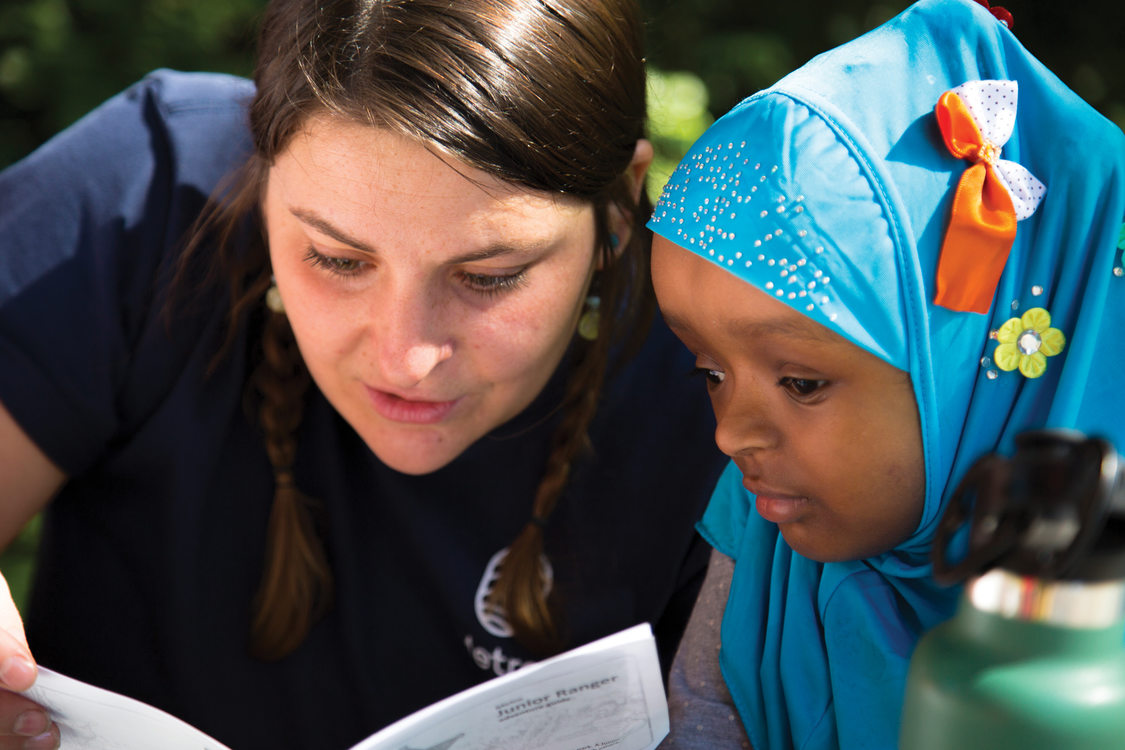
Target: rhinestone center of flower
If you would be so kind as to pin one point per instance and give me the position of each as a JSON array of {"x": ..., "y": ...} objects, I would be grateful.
[{"x": 1029, "y": 342}]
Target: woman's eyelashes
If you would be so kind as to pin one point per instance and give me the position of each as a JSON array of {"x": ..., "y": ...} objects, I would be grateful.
[
  {"x": 333, "y": 264},
  {"x": 484, "y": 284},
  {"x": 489, "y": 285}
]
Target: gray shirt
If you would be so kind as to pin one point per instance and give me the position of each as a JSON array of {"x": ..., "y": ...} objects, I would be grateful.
[{"x": 702, "y": 713}]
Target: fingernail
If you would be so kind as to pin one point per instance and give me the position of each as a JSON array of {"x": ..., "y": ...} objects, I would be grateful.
[
  {"x": 17, "y": 673},
  {"x": 31, "y": 723},
  {"x": 49, "y": 740}
]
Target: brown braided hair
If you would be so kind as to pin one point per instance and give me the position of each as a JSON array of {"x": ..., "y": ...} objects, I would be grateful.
[{"x": 546, "y": 94}]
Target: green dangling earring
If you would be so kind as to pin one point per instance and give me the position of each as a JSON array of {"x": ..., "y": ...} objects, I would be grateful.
[
  {"x": 588, "y": 323},
  {"x": 591, "y": 316},
  {"x": 273, "y": 298}
]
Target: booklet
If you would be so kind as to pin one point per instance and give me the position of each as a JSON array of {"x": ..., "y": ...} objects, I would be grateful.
[{"x": 606, "y": 694}]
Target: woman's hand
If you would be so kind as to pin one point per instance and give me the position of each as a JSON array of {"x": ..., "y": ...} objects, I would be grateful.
[
  {"x": 17, "y": 667},
  {"x": 23, "y": 723},
  {"x": 28, "y": 481}
]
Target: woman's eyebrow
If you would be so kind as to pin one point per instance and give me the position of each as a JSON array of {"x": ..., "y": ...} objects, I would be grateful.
[
  {"x": 493, "y": 251},
  {"x": 322, "y": 225}
]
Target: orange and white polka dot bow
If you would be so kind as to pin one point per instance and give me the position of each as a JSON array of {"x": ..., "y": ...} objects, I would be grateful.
[{"x": 976, "y": 120}]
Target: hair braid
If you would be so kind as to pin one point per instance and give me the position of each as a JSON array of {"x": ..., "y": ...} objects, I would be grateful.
[
  {"x": 296, "y": 586},
  {"x": 520, "y": 588}
]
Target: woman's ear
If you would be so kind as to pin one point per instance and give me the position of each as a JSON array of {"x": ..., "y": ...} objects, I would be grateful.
[
  {"x": 638, "y": 167},
  {"x": 620, "y": 221}
]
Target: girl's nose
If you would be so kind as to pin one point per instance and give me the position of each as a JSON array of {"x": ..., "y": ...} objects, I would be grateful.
[{"x": 743, "y": 421}]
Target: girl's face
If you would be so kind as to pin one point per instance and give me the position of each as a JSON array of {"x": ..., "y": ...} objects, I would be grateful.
[
  {"x": 431, "y": 302},
  {"x": 826, "y": 434}
]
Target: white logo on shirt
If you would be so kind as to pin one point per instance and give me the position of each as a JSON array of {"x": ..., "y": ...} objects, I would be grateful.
[{"x": 492, "y": 616}]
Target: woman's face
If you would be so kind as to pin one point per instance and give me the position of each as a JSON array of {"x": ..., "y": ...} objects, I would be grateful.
[
  {"x": 826, "y": 434},
  {"x": 431, "y": 301}
]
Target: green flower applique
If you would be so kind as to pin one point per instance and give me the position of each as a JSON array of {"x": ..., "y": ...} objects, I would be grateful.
[
  {"x": 1121, "y": 243},
  {"x": 1026, "y": 342}
]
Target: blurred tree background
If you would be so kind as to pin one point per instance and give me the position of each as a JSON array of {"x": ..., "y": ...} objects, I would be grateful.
[
  {"x": 60, "y": 58},
  {"x": 720, "y": 51}
]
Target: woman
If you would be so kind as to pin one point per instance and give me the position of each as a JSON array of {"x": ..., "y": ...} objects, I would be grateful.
[{"x": 453, "y": 481}]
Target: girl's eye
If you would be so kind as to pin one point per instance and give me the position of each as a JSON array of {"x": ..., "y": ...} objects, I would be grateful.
[
  {"x": 489, "y": 285},
  {"x": 713, "y": 377},
  {"x": 333, "y": 264},
  {"x": 802, "y": 388}
]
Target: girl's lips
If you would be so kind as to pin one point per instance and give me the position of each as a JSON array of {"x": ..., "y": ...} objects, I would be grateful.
[
  {"x": 398, "y": 409},
  {"x": 781, "y": 509},
  {"x": 776, "y": 507}
]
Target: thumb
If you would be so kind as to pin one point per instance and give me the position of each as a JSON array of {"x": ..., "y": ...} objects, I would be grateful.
[{"x": 17, "y": 668}]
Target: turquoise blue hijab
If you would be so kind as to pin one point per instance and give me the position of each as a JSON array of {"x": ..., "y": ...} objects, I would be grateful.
[{"x": 833, "y": 190}]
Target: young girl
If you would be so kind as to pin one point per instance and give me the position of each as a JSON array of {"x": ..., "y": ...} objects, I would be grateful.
[
  {"x": 888, "y": 264},
  {"x": 335, "y": 445}
]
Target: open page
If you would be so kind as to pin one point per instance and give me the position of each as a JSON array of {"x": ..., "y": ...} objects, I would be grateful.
[
  {"x": 606, "y": 694},
  {"x": 90, "y": 718}
]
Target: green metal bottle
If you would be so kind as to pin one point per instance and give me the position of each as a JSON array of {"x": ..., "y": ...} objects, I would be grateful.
[{"x": 1035, "y": 656}]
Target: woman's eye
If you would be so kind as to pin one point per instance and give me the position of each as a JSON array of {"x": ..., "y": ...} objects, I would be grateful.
[
  {"x": 802, "y": 387},
  {"x": 713, "y": 377},
  {"x": 334, "y": 264},
  {"x": 488, "y": 284}
]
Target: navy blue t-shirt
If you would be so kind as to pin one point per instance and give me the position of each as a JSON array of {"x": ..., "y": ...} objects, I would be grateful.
[{"x": 153, "y": 550}]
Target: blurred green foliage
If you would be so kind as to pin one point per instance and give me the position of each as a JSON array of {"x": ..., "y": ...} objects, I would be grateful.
[
  {"x": 738, "y": 46},
  {"x": 18, "y": 561},
  {"x": 678, "y": 113},
  {"x": 60, "y": 58}
]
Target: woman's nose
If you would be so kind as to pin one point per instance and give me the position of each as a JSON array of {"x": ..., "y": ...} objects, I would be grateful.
[
  {"x": 410, "y": 337},
  {"x": 743, "y": 420}
]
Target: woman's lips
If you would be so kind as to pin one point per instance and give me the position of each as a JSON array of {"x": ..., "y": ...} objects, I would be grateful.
[{"x": 398, "y": 409}]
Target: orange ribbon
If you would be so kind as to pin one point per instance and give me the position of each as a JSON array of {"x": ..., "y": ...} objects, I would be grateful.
[{"x": 982, "y": 226}]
